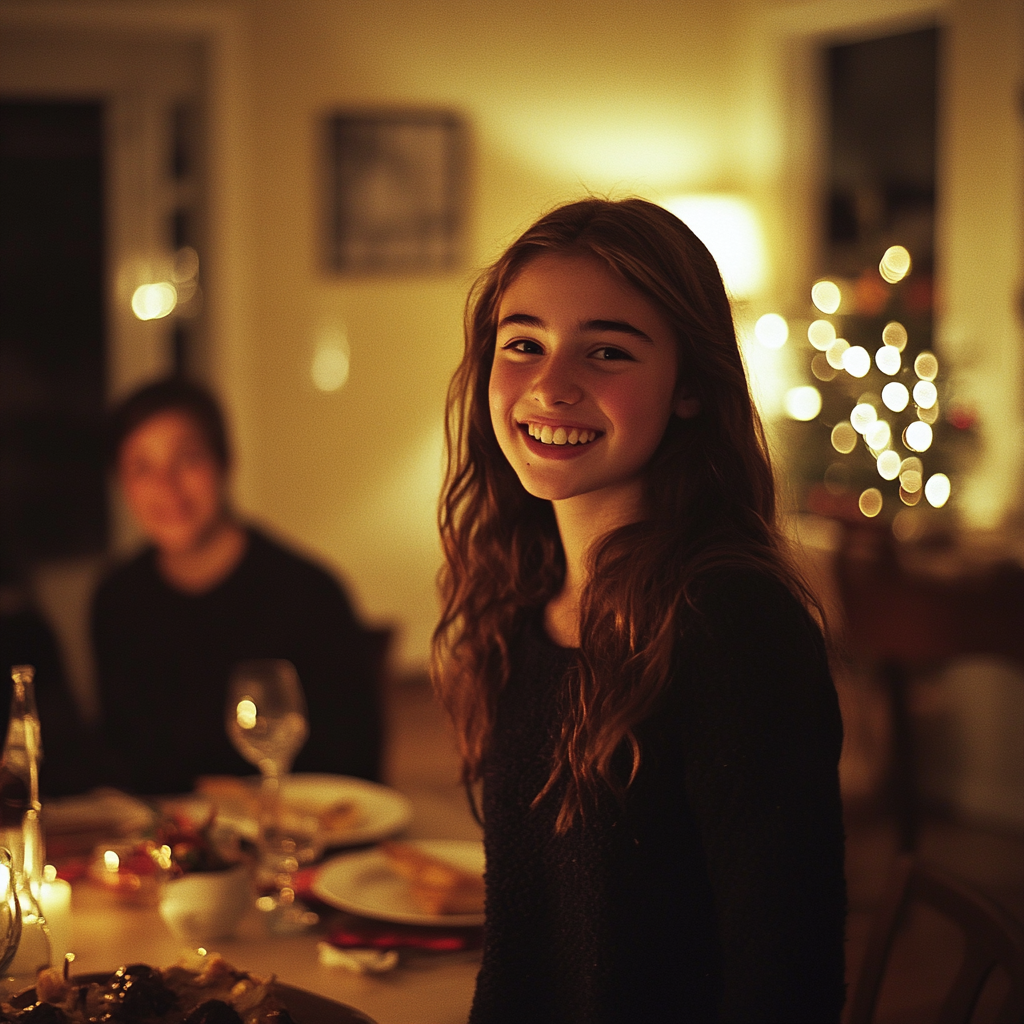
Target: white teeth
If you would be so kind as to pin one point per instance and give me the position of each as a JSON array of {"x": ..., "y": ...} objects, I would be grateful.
[{"x": 560, "y": 435}]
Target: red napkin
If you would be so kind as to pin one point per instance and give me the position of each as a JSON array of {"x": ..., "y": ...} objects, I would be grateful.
[{"x": 350, "y": 931}]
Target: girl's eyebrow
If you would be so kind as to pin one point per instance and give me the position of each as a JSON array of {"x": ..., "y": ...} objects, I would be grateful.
[{"x": 598, "y": 326}]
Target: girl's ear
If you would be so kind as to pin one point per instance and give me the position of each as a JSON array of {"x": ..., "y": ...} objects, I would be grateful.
[{"x": 685, "y": 405}]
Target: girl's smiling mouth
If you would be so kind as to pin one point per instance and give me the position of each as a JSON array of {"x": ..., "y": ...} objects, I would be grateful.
[{"x": 559, "y": 435}]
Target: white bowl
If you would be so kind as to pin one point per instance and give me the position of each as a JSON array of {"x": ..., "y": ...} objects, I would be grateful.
[{"x": 207, "y": 904}]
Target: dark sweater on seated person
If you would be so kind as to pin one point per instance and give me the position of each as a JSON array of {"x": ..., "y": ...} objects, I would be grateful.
[
  {"x": 164, "y": 657},
  {"x": 715, "y": 892}
]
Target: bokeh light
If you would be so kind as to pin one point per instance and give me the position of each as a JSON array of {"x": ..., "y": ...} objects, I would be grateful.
[
  {"x": 895, "y": 264},
  {"x": 826, "y": 296},
  {"x": 925, "y": 394},
  {"x": 937, "y": 490},
  {"x": 154, "y": 301},
  {"x": 910, "y": 498},
  {"x": 821, "y": 369},
  {"x": 844, "y": 437},
  {"x": 821, "y": 334},
  {"x": 856, "y": 361},
  {"x": 887, "y": 359},
  {"x": 926, "y": 366},
  {"x": 863, "y": 415},
  {"x": 895, "y": 335},
  {"x": 911, "y": 474},
  {"x": 918, "y": 437},
  {"x": 895, "y": 396},
  {"x": 803, "y": 403},
  {"x": 888, "y": 465},
  {"x": 929, "y": 415},
  {"x": 870, "y": 502},
  {"x": 834, "y": 355},
  {"x": 906, "y": 525},
  {"x": 771, "y": 330},
  {"x": 878, "y": 435}
]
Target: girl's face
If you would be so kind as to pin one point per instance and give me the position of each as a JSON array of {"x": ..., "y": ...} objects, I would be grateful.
[
  {"x": 172, "y": 482},
  {"x": 584, "y": 380}
]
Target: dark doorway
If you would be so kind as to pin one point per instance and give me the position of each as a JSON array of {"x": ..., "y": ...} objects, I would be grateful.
[
  {"x": 882, "y": 148},
  {"x": 52, "y": 331}
]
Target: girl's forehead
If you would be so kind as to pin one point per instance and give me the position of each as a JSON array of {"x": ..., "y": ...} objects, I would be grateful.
[{"x": 577, "y": 285}]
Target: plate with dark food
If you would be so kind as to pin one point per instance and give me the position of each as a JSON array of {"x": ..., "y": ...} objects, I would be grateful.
[{"x": 198, "y": 990}]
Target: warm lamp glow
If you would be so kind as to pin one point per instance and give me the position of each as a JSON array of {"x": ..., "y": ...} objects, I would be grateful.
[
  {"x": 331, "y": 361},
  {"x": 730, "y": 228}
]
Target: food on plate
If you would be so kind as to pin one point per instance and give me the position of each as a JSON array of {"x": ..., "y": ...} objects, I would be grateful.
[
  {"x": 198, "y": 990},
  {"x": 436, "y": 885},
  {"x": 242, "y": 795}
]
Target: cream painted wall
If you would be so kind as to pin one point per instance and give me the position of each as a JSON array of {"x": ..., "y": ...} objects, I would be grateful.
[{"x": 561, "y": 98}]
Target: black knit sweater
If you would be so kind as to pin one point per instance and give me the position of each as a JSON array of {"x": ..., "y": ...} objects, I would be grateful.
[
  {"x": 717, "y": 892},
  {"x": 163, "y": 660}
]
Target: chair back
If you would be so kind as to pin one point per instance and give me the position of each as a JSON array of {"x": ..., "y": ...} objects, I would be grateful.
[{"x": 991, "y": 939}]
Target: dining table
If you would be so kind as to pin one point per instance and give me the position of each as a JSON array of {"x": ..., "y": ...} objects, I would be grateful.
[{"x": 426, "y": 987}]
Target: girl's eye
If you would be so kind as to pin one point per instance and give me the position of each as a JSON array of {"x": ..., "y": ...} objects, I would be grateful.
[
  {"x": 525, "y": 345},
  {"x": 608, "y": 353}
]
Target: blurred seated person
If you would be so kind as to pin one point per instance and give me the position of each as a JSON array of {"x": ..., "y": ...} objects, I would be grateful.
[
  {"x": 69, "y": 762},
  {"x": 207, "y": 592}
]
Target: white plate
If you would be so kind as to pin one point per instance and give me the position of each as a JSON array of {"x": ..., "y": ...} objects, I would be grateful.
[
  {"x": 382, "y": 811},
  {"x": 103, "y": 810},
  {"x": 363, "y": 883}
]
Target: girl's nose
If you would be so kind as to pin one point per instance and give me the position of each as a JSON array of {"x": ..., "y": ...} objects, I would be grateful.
[{"x": 556, "y": 384}]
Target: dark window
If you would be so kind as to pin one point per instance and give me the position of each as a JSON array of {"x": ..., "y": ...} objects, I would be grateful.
[{"x": 52, "y": 330}]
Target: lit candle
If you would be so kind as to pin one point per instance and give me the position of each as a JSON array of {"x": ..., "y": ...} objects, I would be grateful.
[{"x": 55, "y": 903}]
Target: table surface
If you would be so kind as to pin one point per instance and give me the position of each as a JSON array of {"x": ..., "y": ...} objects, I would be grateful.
[{"x": 426, "y": 988}]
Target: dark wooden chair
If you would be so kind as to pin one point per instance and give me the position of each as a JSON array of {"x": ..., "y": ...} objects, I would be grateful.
[
  {"x": 900, "y": 621},
  {"x": 991, "y": 939}
]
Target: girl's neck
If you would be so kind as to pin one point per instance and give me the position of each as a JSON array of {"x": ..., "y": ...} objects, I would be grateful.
[
  {"x": 209, "y": 562},
  {"x": 582, "y": 522}
]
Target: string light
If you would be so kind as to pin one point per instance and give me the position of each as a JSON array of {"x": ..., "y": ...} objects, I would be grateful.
[
  {"x": 895, "y": 264},
  {"x": 926, "y": 366},
  {"x": 821, "y": 334},
  {"x": 844, "y": 437},
  {"x": 856, "y": 361},
  {"x": 834, "y": 353},
  {"x": 870, "y": 502},
  {"x": 895, "y": 396},
  {"x": 803, "y": 403},
  {"x": 863, "y": 415},
  {"x": 887, "y": 359},
  {"x": 937, "y": 490},
  {"x": 894, "y": 334},
  {"x": 826, "y": 296},
  {"x": 925, "y": 394},
  {"x": 918, "y": 437}
]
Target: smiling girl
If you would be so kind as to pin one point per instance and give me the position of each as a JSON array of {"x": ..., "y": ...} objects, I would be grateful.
[{"x": 625, "y": 649}]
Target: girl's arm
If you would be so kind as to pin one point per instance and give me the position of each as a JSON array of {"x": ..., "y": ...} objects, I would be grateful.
[{"x": 762, "y": 736}]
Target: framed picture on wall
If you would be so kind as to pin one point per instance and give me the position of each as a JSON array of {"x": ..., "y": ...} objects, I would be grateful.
[{"x": 395, "y": 191}]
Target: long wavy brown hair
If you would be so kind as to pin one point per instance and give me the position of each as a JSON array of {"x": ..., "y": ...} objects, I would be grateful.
[{"x": 709, "y": 502}]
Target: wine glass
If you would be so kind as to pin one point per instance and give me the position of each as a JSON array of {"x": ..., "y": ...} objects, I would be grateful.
[{"x": 266, "y": 720}]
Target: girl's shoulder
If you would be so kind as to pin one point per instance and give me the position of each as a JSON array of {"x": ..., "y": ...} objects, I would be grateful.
[{"x": 749, "y": 618}]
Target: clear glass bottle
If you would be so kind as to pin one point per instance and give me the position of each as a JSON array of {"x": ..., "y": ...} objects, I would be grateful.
[{"x": 20, "y": 830}]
